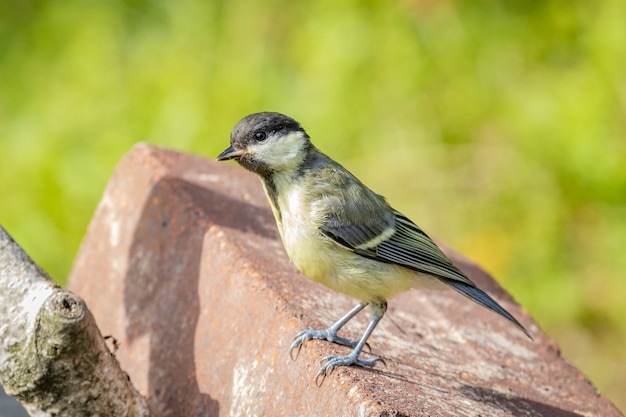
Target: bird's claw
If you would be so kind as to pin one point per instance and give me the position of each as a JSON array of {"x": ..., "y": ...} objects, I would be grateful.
[
  {"x": 326, "y": 334},
  {"x": 330, "y": 362},
  {"x": 301, "y": 337},
  {"x": 297, "y": 343}
]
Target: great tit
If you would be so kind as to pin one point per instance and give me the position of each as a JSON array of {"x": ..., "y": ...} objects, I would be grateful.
[{"x": 339, "y": 233}]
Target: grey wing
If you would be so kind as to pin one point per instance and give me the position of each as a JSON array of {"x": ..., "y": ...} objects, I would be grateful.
[{"x": 395, "y": 239}]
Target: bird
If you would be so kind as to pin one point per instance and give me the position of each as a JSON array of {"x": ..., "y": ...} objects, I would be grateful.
[{"x": 340, "y": 233}]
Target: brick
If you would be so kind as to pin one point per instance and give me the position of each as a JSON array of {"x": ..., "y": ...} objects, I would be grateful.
[{"x": 183, "y": 266}]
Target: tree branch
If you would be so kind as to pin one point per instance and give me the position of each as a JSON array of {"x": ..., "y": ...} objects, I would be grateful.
[{"x": 52, "y": 355}]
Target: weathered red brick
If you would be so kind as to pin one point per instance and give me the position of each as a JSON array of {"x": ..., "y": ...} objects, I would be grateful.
[{"x": 182, "y": 265}]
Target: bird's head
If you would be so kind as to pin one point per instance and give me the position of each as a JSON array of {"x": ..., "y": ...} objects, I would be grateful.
[{"x": 267, "y": 142}]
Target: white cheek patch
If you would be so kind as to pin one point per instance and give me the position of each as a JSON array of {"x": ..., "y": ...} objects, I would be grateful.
[{"x": 282, "y": 151}]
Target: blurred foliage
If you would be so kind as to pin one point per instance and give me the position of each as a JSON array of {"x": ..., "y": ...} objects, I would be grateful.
[{"x": 498, "y": 126}]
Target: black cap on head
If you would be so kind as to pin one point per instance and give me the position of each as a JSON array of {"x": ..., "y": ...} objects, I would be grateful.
[
  {"x": 268, "y": 122},
  {"x": 264, "y": 143}
]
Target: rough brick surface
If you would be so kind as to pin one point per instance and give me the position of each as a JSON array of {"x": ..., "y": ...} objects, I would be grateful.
[{"x": 182, "y": 265}]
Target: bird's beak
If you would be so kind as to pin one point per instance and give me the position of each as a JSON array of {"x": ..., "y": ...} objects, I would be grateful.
[{"x": 231, "y": 153}]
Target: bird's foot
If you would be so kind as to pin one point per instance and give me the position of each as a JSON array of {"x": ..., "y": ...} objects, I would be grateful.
[
  {"x": 329, "y": 363},
  {"x": 326, "y": 334}
]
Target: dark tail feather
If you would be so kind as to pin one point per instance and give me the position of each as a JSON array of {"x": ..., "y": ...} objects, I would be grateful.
[{"x": 479, "y": 296}]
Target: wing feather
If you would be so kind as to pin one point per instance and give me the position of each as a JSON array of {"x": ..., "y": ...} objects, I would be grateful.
[{"x": 399, "y": 241}]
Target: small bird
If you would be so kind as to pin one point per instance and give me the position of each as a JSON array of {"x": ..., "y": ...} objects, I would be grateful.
[{"x": 339, "y": 233}]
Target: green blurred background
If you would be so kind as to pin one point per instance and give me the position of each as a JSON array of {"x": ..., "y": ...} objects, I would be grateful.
[{"x": 498, "y": 126}]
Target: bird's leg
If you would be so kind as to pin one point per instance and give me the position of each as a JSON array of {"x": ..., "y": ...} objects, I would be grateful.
[
  {"x": 329, "y": 334},
  {"x": 329, "y": 363}
]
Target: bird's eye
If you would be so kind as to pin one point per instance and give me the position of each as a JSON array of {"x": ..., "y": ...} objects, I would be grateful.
[{"x": 260, "y": 136}]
